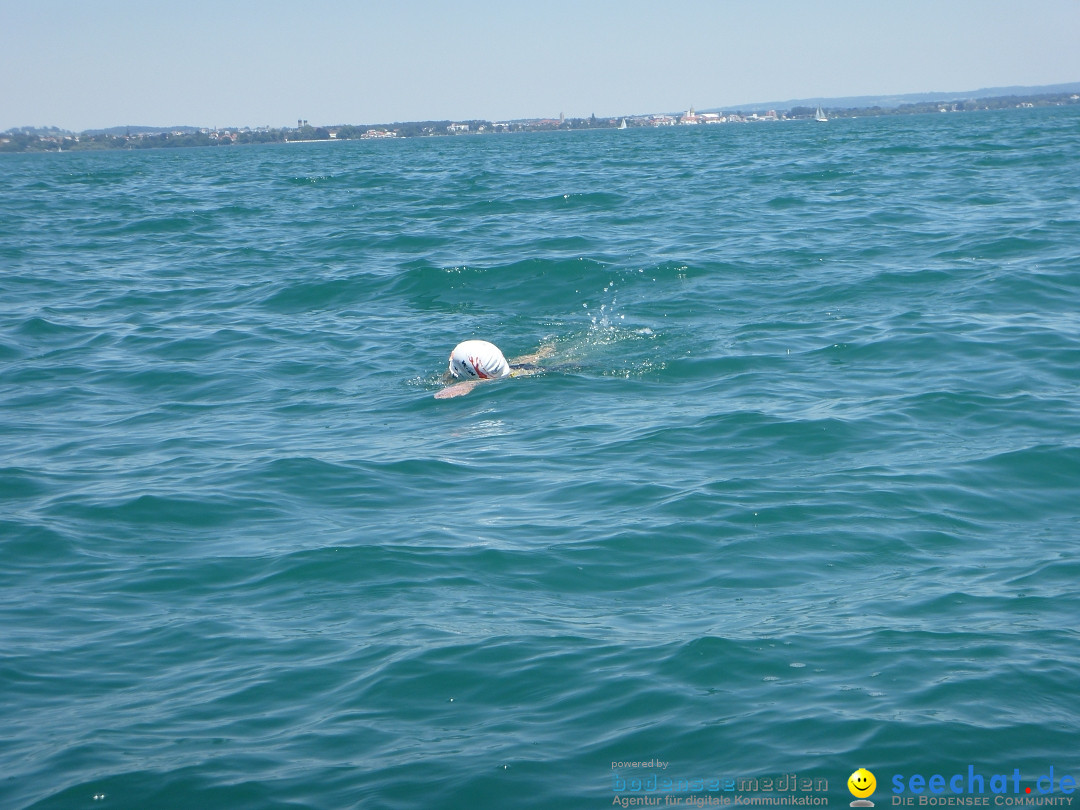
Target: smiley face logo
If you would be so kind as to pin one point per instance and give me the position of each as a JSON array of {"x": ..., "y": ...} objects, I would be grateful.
[{"x": 861, "y": 783}]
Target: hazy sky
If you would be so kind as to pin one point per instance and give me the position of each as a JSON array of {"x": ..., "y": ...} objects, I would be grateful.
[{"x": 81, "y": 64}]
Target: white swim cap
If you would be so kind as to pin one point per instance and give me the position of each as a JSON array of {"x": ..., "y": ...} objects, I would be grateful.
[{"x": 477, "y": 360}]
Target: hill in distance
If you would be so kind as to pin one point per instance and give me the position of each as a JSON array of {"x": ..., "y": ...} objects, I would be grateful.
[{"x": 887, "y": 102}]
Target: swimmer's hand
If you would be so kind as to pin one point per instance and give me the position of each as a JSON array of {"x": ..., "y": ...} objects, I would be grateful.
[{"x": 457, "y": 389}]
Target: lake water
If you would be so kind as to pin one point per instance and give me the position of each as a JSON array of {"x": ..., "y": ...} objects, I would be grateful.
[{"x": 798, "y": 491}]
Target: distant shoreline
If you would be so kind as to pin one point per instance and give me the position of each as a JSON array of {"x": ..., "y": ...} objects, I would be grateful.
[{"x": 52, "y": 139}]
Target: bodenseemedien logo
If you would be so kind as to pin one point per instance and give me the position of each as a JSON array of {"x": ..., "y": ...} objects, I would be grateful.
[{"x": 862, "y": 785}]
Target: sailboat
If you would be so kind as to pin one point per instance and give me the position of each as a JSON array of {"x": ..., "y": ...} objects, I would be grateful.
[
  {"x": 622, "y": 124},
  {"x": 820, "y": 114}
]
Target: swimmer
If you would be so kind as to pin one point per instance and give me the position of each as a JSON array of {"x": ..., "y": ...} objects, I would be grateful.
[{"x": 474, "y": 361}]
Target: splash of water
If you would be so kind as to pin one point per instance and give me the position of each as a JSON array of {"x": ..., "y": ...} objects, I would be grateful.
[{"x": 604, "y": 346}]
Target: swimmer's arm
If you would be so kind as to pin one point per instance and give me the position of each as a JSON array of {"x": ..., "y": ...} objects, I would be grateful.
[
  {"x": 525, "y": 366},
  {"x": 539, "y": 354},
  {"x": 460, "y": 389},
  {"x": 525, "y": 372},
  {"x": 457, "y": 389}
]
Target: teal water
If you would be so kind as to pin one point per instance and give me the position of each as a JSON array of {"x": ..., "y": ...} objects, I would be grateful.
[{"x": 797, "y": 492}]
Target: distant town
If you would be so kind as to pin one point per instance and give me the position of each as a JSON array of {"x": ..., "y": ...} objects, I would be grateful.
[{"x": 52, "y": 139}]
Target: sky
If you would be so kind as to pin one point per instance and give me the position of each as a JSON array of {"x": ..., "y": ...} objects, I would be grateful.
[{"x": 85, "y": 64}]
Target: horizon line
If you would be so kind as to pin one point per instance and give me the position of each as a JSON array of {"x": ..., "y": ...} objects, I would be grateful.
[{"x": 893, "y": 99}]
